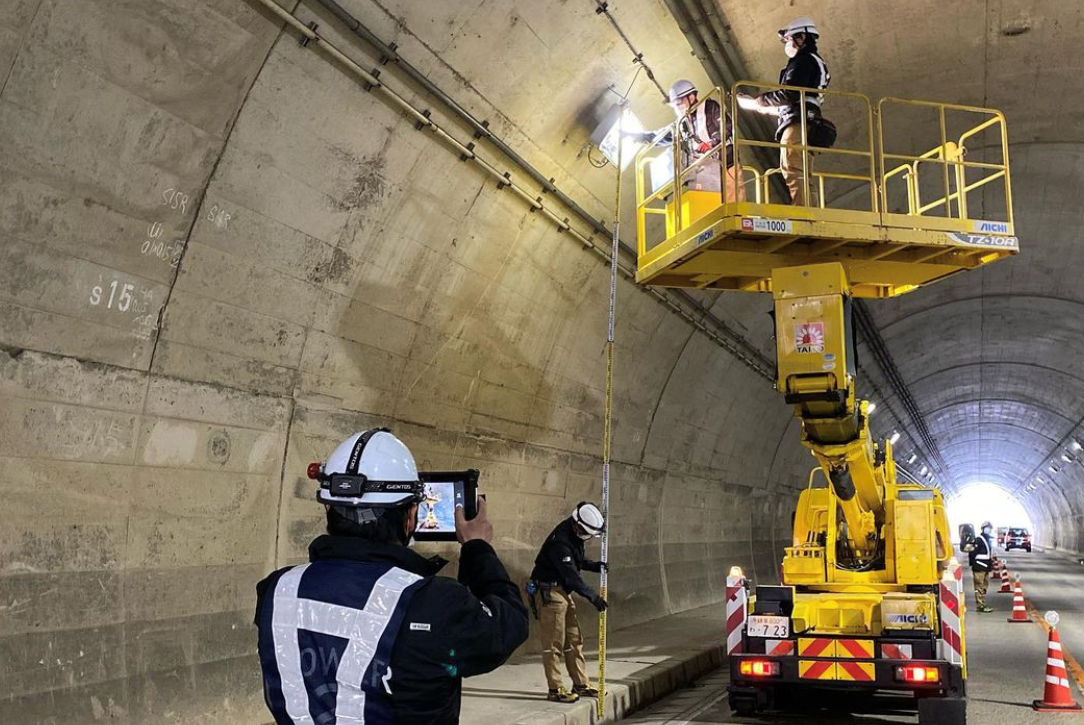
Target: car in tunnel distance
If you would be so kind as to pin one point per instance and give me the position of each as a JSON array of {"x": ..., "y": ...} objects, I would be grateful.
[{"x": 1018, "y": 539}]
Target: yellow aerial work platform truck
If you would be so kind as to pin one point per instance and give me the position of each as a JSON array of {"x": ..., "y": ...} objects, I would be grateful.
[{"x": 871, "y": 597}]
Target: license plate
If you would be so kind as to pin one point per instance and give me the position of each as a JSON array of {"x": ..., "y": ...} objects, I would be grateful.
[{"x": 759, "y": 625}]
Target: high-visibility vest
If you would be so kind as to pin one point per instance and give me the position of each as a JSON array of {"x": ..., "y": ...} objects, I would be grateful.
[{"x": 326, "y": 634}]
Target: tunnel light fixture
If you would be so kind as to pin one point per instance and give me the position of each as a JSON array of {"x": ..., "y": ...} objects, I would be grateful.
[
  {"x": 1066, "y": 457},
  {"x": 912, "y": 459},
  {"x": 1052, "y": 469},
  {"x": 608, "y": 134},
  {"x": 924, "y": 471},
  {"x": 1076, "y": 446},
  {"x": 895, "y": 438},
  {"x": 872, "y": 407}
]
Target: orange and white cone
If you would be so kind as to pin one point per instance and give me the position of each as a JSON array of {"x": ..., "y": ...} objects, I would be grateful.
[
  {"x": 997, "y": 566},
  {"x": 1006, "y": 586},
  {"x": 1057, "y": 697},
  {"x": 1019, "y": 610}
]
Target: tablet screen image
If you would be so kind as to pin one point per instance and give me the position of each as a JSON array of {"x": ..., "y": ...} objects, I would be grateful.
[
  {"x": 436, "y": 514},
  {"x": 443, "y": 492}
]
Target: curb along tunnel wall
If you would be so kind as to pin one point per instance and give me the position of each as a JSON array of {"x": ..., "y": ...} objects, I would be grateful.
[{"x": 221, "y": 256}]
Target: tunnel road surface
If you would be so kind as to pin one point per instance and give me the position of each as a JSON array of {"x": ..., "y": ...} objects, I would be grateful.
[{"x": 1007, "y": 661}]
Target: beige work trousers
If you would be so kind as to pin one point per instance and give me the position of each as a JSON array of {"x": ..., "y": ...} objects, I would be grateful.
[
  {"x": 790, "y": 162},
  {"x": 560, "y": 633},
  {"x": 982, "y": 581}
]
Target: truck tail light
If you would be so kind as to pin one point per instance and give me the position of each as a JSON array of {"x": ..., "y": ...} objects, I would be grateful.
[
  {"x": 918, "y": 673},
  {"x": 759, "y": 668}
]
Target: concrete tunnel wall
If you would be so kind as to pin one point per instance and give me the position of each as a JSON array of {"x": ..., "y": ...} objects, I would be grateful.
[{"x": 219, "y": 256}]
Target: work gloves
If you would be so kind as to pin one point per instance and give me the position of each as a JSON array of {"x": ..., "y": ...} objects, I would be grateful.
[{"x": 600, "y": 603}]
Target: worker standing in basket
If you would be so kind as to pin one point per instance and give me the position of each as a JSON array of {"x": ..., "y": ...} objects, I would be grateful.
[
  {"x": 555, "y": 578},
  {"x": 703, "y": 129},
  {"x": 805, "y": 69}
]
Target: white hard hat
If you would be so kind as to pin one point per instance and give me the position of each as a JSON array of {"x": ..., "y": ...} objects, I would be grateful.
[
  {"x": 799, "y": 25},
  {"x": 373, "y": 469},
  {"x": 589, "y": 518},
  {"x": 680, "y": 89}
]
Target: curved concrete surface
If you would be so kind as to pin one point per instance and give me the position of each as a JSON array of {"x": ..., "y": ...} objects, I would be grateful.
[{"x": 219, "y": 255}]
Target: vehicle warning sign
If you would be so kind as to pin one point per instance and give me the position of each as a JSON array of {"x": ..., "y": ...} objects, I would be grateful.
[{"x": 809, "y": 337}]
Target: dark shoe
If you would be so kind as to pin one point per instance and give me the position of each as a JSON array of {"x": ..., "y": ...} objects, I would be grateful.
[
  {"x": 562, "y": 695},
  {"x": 984, "y": 609},
  {"x": 584, "y": 691}
]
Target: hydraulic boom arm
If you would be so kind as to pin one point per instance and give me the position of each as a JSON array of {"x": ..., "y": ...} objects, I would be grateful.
[{"x": 816, "y": 371}]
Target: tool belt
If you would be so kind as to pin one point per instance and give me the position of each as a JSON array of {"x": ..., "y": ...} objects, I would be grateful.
[{"x": 541, "y": 590}]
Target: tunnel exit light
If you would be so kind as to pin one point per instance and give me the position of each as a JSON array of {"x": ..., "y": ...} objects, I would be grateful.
[{"x": 986, "y": 502}]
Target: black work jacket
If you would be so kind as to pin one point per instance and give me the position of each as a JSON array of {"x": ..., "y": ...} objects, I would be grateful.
[
  {"x": 562, "y": 558},
  {"x": 805, "y": 70},
  {"x": 981, "y": 557},
  {"x": 474, "y": 624}
]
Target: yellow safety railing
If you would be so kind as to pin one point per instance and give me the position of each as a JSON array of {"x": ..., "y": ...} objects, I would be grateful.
[
  {"x": 875, "y": 165},
  {"x": 743, "y": 146},
  {"x": 951, "y": 156}
]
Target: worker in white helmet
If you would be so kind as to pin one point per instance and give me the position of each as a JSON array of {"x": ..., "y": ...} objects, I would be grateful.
[
  {"x": 804, "y": 69},
  {"x": 701, "y": 129},
  {"x": 982, "y": 559},
  {"x": 366, "y": 631},
  {"x": 555, "y": 578}
]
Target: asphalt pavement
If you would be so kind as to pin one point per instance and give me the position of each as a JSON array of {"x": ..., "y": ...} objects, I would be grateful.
[{"x": 1006, "y": 661}]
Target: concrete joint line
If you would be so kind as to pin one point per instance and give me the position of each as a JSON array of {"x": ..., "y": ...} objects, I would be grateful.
[{"x": 203, "y": 198}]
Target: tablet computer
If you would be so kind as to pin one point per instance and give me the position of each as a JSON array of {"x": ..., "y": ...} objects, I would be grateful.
[{"x": 444, "y": 490}]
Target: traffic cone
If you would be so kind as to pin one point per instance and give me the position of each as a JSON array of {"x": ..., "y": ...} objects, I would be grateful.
[
  {"x": 997, "y": 566},
  {"x": 1057, "y": 697},
  {"x": 1019, "y": 611},
  {"x": 1006, "y": 586}
]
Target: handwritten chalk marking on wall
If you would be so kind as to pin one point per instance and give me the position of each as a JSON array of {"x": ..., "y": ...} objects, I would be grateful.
[
  {"x": 175, "y": 199},
  {"x": 154, "y": 246},
  {"x": 219, "y": 217}
]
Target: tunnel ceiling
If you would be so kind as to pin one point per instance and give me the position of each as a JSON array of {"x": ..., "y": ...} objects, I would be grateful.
[{"x": 993, "y": 358}]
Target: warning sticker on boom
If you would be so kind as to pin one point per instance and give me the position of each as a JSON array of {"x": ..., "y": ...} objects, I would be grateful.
[{"x": 809, "y": 337}]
